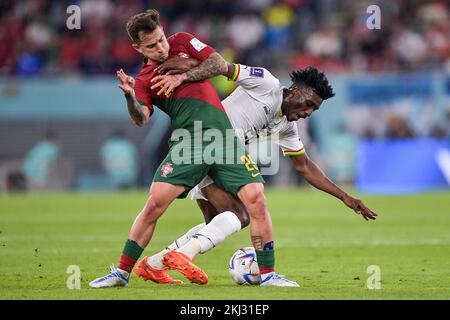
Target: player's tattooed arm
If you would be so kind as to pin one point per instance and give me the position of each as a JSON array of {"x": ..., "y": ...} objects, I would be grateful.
[
  {"x": 137, "y": 110},
  {"x": 177, "y": 65},
  {"x": 213, "y": 66}
]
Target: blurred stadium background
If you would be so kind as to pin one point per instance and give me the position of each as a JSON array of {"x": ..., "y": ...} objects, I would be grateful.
[
  {"x": 64, "y": 126},
  {"x": 392, "y": 84}
]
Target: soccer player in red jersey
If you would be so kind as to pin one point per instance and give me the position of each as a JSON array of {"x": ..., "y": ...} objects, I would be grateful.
[{"x": 194, "y": 108}]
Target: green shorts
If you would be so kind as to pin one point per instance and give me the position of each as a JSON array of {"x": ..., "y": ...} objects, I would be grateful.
[
  {"x": 229, "y": 175},
  {"x": 203, "y": 142}
]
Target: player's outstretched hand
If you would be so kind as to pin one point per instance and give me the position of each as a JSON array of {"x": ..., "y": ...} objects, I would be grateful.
[
  {"x": 359, "y": 208},
  {"x": 167, "y": 83},
  {"x": 126, "y": 82}
]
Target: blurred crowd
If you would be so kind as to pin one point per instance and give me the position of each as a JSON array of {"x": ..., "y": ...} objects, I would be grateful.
[{"x": 280, "y": 34}]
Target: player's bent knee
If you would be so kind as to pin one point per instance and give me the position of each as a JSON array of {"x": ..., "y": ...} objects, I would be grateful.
[
  {"x": 245, "y": 220},
  {"x": 255, "y": 200},
  {"x": 222, "y": 226},
  {"x": 242, "y": 215},
  {"x": 238, "y": 208},
  {"x": 153, "y": 209}
]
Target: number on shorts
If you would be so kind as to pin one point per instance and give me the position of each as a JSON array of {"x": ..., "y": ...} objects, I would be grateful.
[{"x": 249, "y": 163}]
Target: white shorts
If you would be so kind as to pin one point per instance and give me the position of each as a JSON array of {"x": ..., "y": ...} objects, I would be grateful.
[{"x": 196, "y": 192}]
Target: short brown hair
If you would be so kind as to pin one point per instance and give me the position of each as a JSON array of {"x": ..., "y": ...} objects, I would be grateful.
[{"x": 146, "y": 21}]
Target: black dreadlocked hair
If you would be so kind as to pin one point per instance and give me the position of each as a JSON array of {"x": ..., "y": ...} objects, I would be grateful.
[{"x": 316, "y": 80}]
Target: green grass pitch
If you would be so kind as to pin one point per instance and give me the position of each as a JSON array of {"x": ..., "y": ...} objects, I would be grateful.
[{"x": 319, "y": 243}]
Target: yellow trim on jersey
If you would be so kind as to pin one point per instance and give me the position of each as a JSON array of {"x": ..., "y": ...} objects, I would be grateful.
[
  {"x": 237, "y": 71},
  {"x": 280, "y": 113},
  {"x": 291, "y": 153}
]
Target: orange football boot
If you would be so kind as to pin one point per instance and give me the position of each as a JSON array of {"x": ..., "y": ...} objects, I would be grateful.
[
  {"x": 182, "y": 263},
  {"x": 147, "y": 272}
]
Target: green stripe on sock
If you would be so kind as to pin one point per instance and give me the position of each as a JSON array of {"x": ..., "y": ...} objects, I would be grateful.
[
  {"x": 132, "y": 249},
  {"x": 265, "y": 258}
]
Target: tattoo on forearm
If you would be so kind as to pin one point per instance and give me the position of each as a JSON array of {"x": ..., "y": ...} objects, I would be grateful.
[
  {"x": 135, "y": 109},
  {"x": 257, "y": 242},
  {"x": 211, "y": 67}
]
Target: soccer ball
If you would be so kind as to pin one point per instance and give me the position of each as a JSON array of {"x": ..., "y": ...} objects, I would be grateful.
[{"x": 244, "y": 268}]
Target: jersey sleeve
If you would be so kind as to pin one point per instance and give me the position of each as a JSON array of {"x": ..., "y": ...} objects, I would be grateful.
[
  {"x": 142, "y": 94},
  {"x": 194, "y": 47},
  {"x": 256, "y": 79},
  {"x": 290, "y": 142}
]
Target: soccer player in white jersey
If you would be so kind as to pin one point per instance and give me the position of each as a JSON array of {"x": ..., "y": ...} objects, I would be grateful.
[{"x": 258, "y": 106}]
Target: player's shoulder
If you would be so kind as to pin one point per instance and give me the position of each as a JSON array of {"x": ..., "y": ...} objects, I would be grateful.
[
  {"x": 288, "y": 128},
  {"x": 180, "y": 36},
  {"x": 260, "y": 73}
]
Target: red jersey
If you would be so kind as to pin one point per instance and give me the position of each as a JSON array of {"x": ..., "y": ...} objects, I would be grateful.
[{"x": 186, "y": 97}]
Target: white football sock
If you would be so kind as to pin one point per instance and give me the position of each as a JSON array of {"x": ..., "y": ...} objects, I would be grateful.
[
  {"x": 222, "y": 226},
  {"x": 156, "y": 260}
]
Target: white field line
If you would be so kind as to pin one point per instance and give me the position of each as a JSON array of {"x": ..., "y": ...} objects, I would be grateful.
[
  {"x": 279, "y": 243},
  {"x": 358, "y": 243}
]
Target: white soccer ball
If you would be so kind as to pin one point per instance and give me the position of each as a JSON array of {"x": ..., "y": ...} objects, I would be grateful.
[{"x": 244, "y": 268}]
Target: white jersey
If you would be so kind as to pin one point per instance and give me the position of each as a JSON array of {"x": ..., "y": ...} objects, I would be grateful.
[
  {"x": 254, "y": 112},
  {"x": 254, "y": 109}
]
